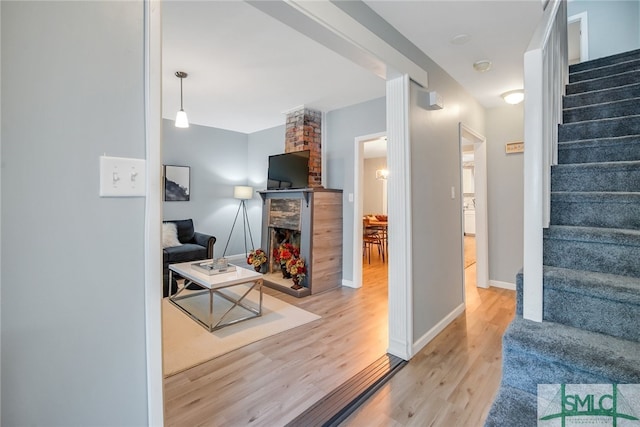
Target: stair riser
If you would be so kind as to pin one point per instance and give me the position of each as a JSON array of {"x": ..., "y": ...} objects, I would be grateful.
[
  {"x": 628, "y": 107},
  {"x": 599, "y": 129},
  {"x": 603, "y": 62},
  {"x": 603, "y": 83},
  {"x": 596, "y": 73},
  {"x": 595, "y": 214},
  {"x": 525, "y": 371},
  {"x": 601, "y": 96},
  {"x": 595, "y": 179},
  {"x": 592, "y": 256},
  {"x": 604, "y": 153},
  {"x": 592, "y": 314}
]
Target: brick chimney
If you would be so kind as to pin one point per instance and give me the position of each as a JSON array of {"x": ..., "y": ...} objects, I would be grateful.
[{"x": 303, "y": 132}]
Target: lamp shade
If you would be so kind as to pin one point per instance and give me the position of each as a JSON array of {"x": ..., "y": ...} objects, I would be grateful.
[
  {"x": 243, "y": 192},
  {"x": 181, "y": 119}
]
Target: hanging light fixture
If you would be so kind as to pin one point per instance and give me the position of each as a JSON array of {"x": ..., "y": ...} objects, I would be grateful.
[{"x": 181, "y": 118}]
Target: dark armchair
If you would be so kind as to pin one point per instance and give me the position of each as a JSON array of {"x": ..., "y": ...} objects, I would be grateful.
[{"x": 195, "y": 246}]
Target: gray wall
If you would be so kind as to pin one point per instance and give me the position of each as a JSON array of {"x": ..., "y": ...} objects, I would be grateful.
[
  {"x": 437, "y": 218},
  {"x": 614, "y": 26},
  {"x": 262, "y": 144},
  {"x": 73, "y": 332},
  {"x": 372, "y": 201},
  {"x": 218, "y": 161},
  {"x": 343, "y": 126},
  {"x": 505, "y": 181}
]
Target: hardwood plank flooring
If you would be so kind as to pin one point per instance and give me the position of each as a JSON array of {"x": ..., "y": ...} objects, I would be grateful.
[
  {"x": 453, "y": 380},
  {"x": 268, "y": 383}
]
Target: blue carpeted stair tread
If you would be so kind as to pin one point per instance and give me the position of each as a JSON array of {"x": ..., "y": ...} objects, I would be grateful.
[
  {"x": 596, "y": 196},
  {"x": 567, "y": 354},
  {"x": 612, "y": 236},
  {"x": 513, "y": 407},
  {"x": 624, "y": 78},
  {"x": 600, "y": 285},
  {"x": 605, "y": 61},
  {"x": 604, "y": 176},
  {"x": 617, "y": 93},
  {"x": 605, "y": 70},
  {"x": 626, "y": 107},
  {"x": 621, "y": 148},
  {"x": 596, "y": 209},
  {"x": 601, "y": 128}
]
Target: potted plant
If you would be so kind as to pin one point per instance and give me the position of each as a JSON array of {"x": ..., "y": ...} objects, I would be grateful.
[
  {"x": 297, "y": 270},
  {"x": 256, "y": 258}
]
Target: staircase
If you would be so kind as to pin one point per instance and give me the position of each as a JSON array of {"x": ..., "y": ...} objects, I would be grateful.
[{"x": 591, "y": 327}]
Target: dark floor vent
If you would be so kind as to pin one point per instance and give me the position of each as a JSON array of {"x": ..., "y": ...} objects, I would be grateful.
[{"x": 344, "y": 400}]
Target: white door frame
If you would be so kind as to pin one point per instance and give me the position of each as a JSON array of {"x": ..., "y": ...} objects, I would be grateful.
[
  {"x": 480, "y": 181},
  {"x": 583, "y": 18},
  {"x": 358, "y": 209},
  {"x": 153, "y": 210}
]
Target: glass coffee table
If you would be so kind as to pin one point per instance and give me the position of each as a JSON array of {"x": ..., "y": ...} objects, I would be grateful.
[{"x": 219, "y": 300}]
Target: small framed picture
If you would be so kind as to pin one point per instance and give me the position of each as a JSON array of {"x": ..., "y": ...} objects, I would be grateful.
[{"x": 176, "y": 183}]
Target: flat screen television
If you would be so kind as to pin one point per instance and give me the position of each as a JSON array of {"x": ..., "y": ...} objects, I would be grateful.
[{"x": 288, "y": 171}]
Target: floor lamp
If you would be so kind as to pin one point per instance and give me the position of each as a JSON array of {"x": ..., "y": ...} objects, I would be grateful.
[{"x": 242, "y": 193}]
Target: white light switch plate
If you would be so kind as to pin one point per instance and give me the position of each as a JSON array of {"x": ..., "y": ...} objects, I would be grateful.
[{"x": 122, "y": 177}]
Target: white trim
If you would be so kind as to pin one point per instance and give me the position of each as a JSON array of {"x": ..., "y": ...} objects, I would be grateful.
[
  {"x": 153, "y": 210},
  {"x": 323, "y": 149},
  {"x": 503, "y": 285},
  {"x": 400, "y": 233},
  {"x": 349, "y": 283},
  {"x": 358, "y": 191},
  {"x": 480, "y": 185},
  {"x": 433, "y": 332},
  {"x": 583, "y": 17},
  {"x": 0, "y": 227}
]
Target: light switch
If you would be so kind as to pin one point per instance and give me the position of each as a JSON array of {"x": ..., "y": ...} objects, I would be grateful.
[
  {"x": 453, "y": 193},
  {"x": 351, "y": 197},
  {"x": 122, "y": 177}
]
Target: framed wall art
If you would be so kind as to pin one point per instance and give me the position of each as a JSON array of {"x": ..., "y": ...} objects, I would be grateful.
[{"x": 177, "y": 183}]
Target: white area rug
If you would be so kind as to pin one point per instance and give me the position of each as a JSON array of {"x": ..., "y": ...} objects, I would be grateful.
[{"x": 187, "y": 344}]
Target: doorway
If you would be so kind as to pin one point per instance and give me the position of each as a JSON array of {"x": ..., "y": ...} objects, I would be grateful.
[
  {"x": 578, "y": 38},
  {"x": 375, "y": 146},
  {"x": 473, "y": 176}
]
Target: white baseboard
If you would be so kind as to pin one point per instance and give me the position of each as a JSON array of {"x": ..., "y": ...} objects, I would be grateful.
[
  {"x": 349, "y": 284},
  {"x": 431, "y": 334},
  {"x": 503, "y": 285}
]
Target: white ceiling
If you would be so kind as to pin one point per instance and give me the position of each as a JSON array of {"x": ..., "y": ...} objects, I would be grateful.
[{"x": 246, "y": 69}]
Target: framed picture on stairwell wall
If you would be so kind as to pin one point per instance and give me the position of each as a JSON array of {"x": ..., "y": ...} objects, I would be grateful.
[{"x": 177, "y": 184}]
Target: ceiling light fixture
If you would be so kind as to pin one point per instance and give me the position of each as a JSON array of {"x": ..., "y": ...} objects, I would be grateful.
[
  {"x": 482, "y": 65},
  {"x": 513, "y": 96},
  {"x": 181, "y": 118},
  {"x": 460, "y": 39}
]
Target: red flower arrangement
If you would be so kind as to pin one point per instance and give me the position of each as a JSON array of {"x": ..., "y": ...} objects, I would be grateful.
[
  {"x": 257, "y": 258},
  {"x": 285, "y": 252},
  {"x": 296, "y": 267}
]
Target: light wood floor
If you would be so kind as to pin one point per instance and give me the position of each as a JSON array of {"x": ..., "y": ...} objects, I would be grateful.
[{"x": 270, "y": 382}]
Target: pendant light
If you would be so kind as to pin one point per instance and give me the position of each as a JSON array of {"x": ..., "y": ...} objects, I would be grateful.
[{"x": 181, "y": 118}]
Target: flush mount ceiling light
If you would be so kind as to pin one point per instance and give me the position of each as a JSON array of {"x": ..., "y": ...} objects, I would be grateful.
[
  {"x": 482, "y": 65},
  {"x": 460, "y": 39},
  {"x": 513, "y": 96},
  {"x": 181, "y": 118}
]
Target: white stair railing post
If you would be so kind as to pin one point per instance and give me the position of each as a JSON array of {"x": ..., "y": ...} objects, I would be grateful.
[{"x": 545, "y": 76}]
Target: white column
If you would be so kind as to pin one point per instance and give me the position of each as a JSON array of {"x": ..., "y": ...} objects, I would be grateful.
[{"x": 399, "y": 198}]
